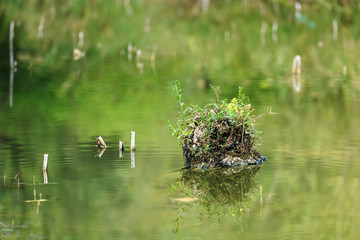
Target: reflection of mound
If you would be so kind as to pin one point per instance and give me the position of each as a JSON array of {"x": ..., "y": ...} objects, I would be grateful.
[
  {"x": 226, "y": 186},
  {"x": 215, "y": 193}
]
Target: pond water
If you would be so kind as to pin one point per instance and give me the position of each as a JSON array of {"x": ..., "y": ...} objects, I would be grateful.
[{"x": 133, "y": 53}]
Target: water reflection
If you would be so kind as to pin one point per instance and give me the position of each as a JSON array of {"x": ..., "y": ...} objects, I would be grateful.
[
  {"x": 132, "y": 159},
  {"x": 215, "y": 193},
  {"x": 296, "y": 73},
  {"x": 11, "y": 87},
  {"x": 296, "y": 82},
  {"x": 100, "y": 152}
]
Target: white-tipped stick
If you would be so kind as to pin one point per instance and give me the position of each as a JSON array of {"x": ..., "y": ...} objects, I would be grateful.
[
  {"x": 132, "y": 141},
  {"x": 296, "y": 68},
  {"x": 45, "y": 165},
  {"x": 100, "y": 142}
]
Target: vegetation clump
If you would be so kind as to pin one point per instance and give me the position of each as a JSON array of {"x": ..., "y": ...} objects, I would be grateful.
[{"x": 220, "y": 134}]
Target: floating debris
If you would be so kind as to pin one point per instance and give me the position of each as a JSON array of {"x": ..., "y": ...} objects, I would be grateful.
[
  {"x": 183, "y": 200},
  {"x": 37, "y": 200}
]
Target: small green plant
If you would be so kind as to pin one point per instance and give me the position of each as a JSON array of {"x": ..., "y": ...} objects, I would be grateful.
[{"x": 209, "y": 133}]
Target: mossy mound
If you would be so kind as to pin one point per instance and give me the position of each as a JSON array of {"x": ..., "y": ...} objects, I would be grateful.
[
  {"x": 219, "y": 135},
  {"x": 222, "y": 135}
]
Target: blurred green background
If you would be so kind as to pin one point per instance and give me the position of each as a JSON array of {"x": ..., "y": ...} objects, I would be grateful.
[{"x": 130, "y": 54}]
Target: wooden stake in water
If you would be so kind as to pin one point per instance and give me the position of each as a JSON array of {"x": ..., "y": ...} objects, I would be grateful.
[
  {"x": 100, "y": 142},
  {"x": 121, "y": 145},
  {"x": 121, "y": 148},
  {"x": 132, "y": 141},
  {"x": 11, "y": 50},
  {"x": 45, "y": 165}
]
